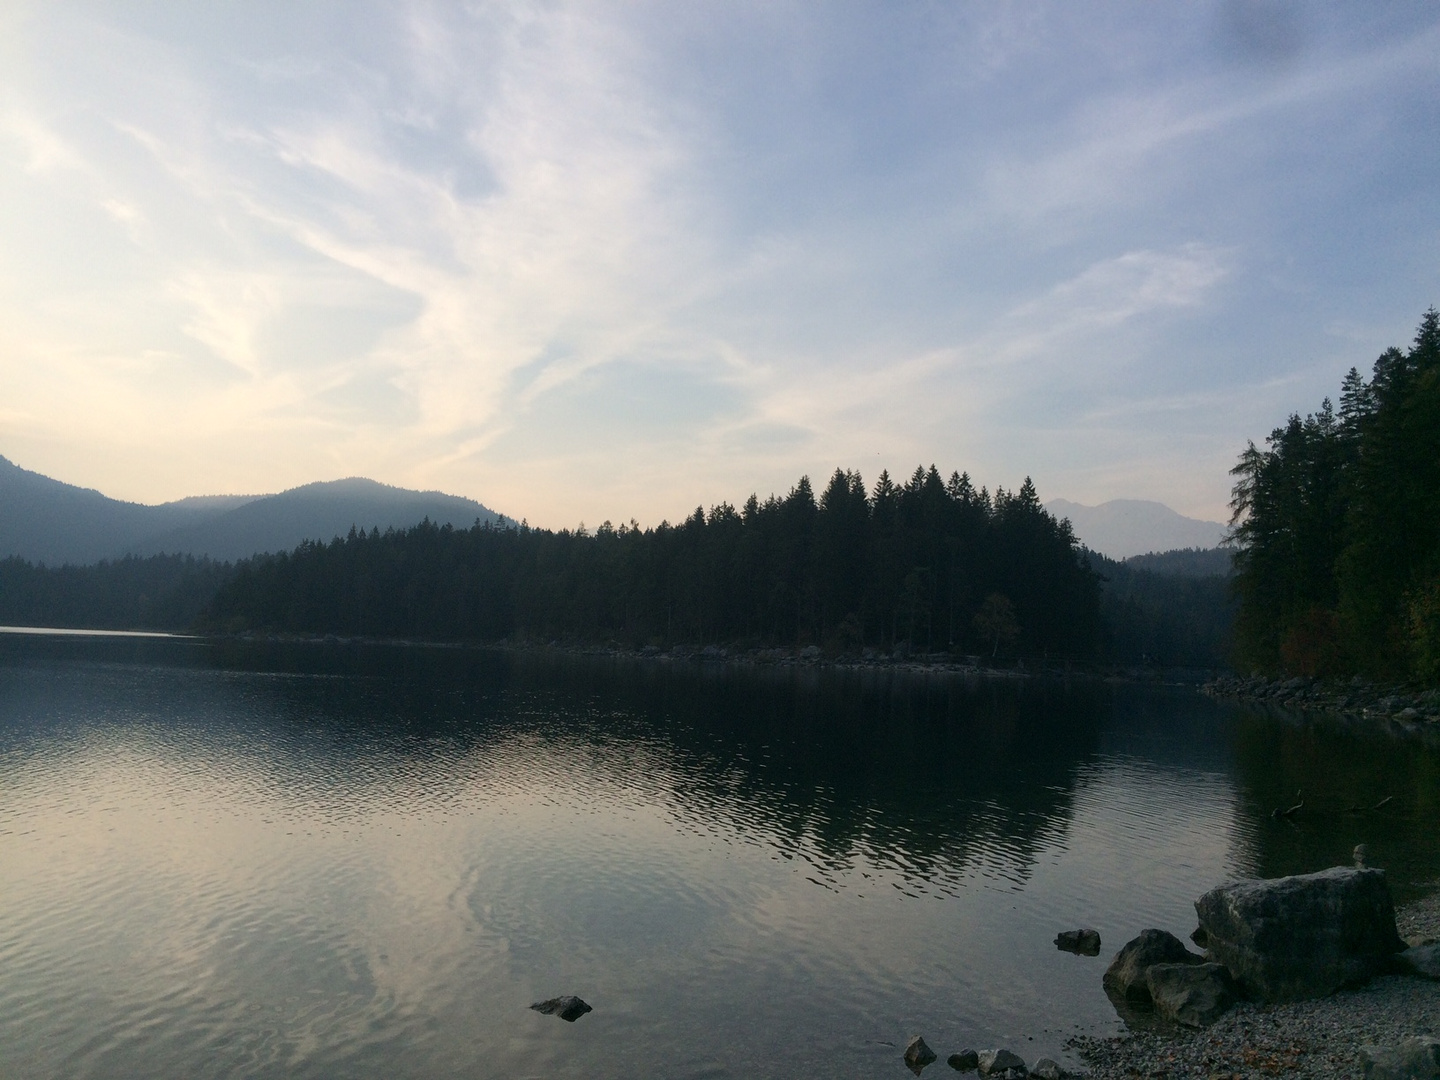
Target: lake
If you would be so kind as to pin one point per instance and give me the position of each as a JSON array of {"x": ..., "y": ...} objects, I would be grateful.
[{"x": 229, "y": 860}]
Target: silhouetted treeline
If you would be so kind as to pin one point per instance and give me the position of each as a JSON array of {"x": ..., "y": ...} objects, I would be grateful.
[
  {"x": 161, "y": 592},
  {"x": 928, "y": 564},
  {"x": 931, "y": 566},
  {"x": 1338, "y": 528}
]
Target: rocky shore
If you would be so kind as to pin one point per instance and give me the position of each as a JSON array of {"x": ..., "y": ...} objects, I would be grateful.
[
  {"x": 1399, "y": 705},
  {"x": 1303, "y": 1039}
]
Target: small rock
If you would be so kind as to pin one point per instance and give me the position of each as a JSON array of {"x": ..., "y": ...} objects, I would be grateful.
[
  {"x": 1046, "y": 1069},
  {"x": 964, "y": 1061},
  {"x": 918, "y": 1055},
  {"x": 1000, "y": 1062},
  {"x": 1079, "y": 942},
  {"x": 1200, "y": 937},
  {"x": 1422, "y": 960},
  {"x": 1125, "y": 977},
  {"x": 1195, "y": 995},
  {"x": 1360, "y": 853},
  {"x": 569, "y": 1007},
  {"x": 1413, "y": 1059},
  {"x": 1408, "y": 713}
]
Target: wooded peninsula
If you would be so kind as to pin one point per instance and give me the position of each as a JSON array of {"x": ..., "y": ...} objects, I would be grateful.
[{"x": 1335, "y": 543}]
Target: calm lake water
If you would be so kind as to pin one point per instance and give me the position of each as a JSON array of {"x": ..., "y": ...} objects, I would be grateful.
[{"x": 335, "y": 861}]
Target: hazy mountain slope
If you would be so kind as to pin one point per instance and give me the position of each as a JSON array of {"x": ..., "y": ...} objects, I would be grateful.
[
  {"x": 1185, "y": 562},
  {"x": 319, "y": 511},
  {"x": 1121, "y": 528},
  {"x": 45, "y": 520},
  {"x": 48, "y": 521}
]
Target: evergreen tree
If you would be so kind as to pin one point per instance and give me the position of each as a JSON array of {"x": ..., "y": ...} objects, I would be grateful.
[{"x": 1337, "y": 527}]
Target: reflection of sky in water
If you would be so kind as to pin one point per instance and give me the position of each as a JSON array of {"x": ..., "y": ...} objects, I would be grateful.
[{"x": 213, "y": 873}]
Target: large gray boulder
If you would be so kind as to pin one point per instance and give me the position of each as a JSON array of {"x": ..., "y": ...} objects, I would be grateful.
[
  {"x": 1413, "y": 1059},
  {"x": 1125, "y": 977},
  {"x": 1195, "y": 995},
  {"x": 1285, "y": 939}
]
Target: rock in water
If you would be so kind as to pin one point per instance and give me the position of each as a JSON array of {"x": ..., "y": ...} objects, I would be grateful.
[
  {"x": 1047, "y": 1069},
  {"x": 1079, "y": 942},
  {"x": 964, "y": 1061},
  {"x": 569, "y": 1007},
  {"x": 1001, "y": 1063},
  {"x": 1125, "y": 977},
  {"x": 1413, "y": 1059},
  {"x": 918, "y": 1055},
  {"x": 1422, "y": 960},
  {"x": 1195, "y": 995},
  {"x": 1305, "y": 936}
]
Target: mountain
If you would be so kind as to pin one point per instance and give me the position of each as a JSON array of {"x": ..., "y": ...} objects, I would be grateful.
[
  {"x": 45, "y": 520},
  {"x": 1121, "y": 528},
  {"x": 313, "y": 512}
]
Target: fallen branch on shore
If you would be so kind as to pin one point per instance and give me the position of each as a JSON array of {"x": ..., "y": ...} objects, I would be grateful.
[
  {"x": 1278, "y": 813},
  {"x": 1379, "y": 805}
]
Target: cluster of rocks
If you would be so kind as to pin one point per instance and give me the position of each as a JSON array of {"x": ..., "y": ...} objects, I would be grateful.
[
  {"x": 1319, "y": 1039},
  {"x": 1282, "y": 939},
  {"x": 1001, "y": 1064},
  {"x": 1357, "y": 696},
  {"x": 1275, "y": 941}
]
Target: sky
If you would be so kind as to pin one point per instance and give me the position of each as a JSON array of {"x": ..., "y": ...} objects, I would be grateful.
[{"x": 613, "y": 261}]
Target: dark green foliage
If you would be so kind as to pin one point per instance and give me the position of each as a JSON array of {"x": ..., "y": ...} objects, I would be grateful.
[
  {"x": 1337, "y": 524},
  {"x": 1167, "y": 617},
  {"x": 1186, "y": 562},
  {"x": 908, "y": 565},
  {"x": 162, "y": 592}
]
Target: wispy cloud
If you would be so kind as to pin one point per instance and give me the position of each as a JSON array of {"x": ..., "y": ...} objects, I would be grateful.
[{"x": 578, "y": 260}]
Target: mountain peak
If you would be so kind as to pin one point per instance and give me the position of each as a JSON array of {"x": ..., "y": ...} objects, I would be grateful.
[
  {"x": 1121, "y": 528},
  {"x": 49, "y": 521}
]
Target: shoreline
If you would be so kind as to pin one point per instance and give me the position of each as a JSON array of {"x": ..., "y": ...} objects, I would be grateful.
[
  {"x": 1303, "y": 1039},
  {"x": 809, "y": 657},
  {"x": 1399, "y": 704}
]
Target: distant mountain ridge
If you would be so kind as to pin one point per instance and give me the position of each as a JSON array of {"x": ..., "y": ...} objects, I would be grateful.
[
  {"x": 1186, "y": 562},
  {"x": 1122, "y": 528},
  {"x": 46, "y": 520}
]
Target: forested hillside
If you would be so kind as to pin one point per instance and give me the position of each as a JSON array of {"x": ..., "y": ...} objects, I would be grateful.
[
  {"x": 1337, "y": 523},
  {"x": 162, "y": 592},
  {"x": 928, "y": 564},
  {"x": 926, "y": 567},
  {"x": 1168, "y": 609}
]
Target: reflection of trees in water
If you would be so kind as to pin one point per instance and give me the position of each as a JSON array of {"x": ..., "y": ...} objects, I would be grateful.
[
  {"x": 1338, "y": 767},
  {"x": 929, "y": 778}
]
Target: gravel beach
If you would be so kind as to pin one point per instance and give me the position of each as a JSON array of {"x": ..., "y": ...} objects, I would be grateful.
[{"x": 1303, "y": 1039}]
